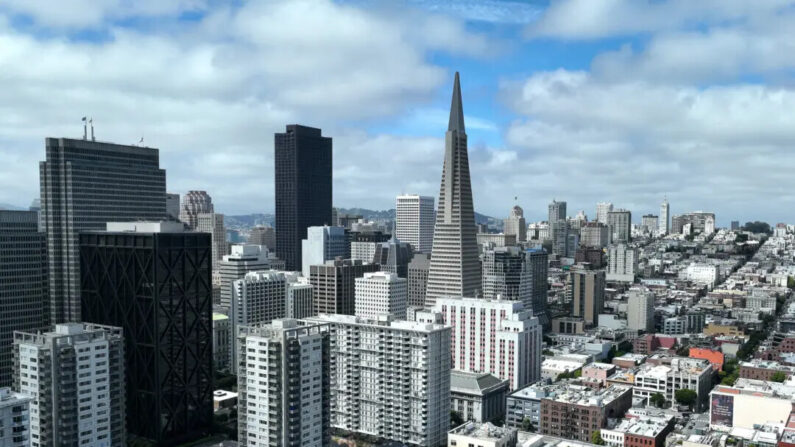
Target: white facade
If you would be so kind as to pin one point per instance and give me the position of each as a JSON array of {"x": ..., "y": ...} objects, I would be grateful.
[
  {"x": 602, "y": 208},
  {"x": 390, "y": 379},
  {"x": 300, "y": 296},
  {"x": 243, "y": 258},
  {"x": 494, "y": 336},
  {"x": 14, "y": 419},
  {"x": 515, "y": 224},
  {"x": 622, "y": 263},
  {"x": 703, "y": 273},
  {"x": 414, "y": 220},
  {"x": 640, "y": 310},
  {"x": 363, "y": 251},
  {"x": 322, "y": 244},
  {"x": 709, "y": 224},
  {"x": 665, "y": 218},
  {"x": 682, "y": 373},
  {"x": 213, "y": 223},
  {"x": 381, "y": 293}
]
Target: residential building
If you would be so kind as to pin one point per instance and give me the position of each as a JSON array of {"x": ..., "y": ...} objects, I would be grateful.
[
  {"x": 85, "y": 184},
  {"x": 381, "y": 293},
  {"x": 291, "y": 407},
  {"x": 516, "y": 225},
  {"x": 647, "y": 431},
  {"x": 587, "y": 293},
  {"x": 322, "y": 244},
  {"x": 758, "y": 369},
  {"x": 482, "y": 435},
  {"x": 560, "y": 235},
  {"x": 418, "y": 278},
  {"x": 494, "y": 336},
  {"x": 193, "y": 204},
  {"x": 390, "y": 379},
  {"x": 697, "y": 220},
  {"x": 414, "y": 221},
  {"x": 557, "y": 213},
  {"x": 393, "y": 256},
  {"x": 222, "y": 335},
  {"x": 594, "y": 235},
  {"x": 303, "y": 191},
  {"x": 602, "y": 208},
  {"x": 525, "y": 404},
  {"x": 665, "y": 217},
  {"x": 681, "y": 373},
  {"x": 334, "y": 285},
  {"x": 24, "y": 302},
  {"x": 213, "y": 223},
  {"x": 300, "y": 302},
  {"x": 578, "y": 411},
  {"x": 14, "y": 418},
  {"x": 172, "y": 206},
  {"x": 263, "y": 235},
  {"x": 590, "y": 255},
  {"x": 707, "y": 274},
  {"x": 478, "y": 397},
  {"x": 750, "y": 403},
  {"x": 649, "y": 223},
  {"x": 620, "y": 225},
  {"x": 128, "y": 272},
  {"x": 75, "y": 377},
  {"x": 454, "y": 269},
  {"x": 241, "y": 260},
  {"x": 622, "y": 263},
  {"x": 640, "y": 310}
]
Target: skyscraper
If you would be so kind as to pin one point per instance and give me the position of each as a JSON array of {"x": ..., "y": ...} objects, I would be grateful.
[
  {"x": 557, "y": 213},
  {"x": 454, "y": 268},
  {"x": 243, "y": 259},
  {"x": 302, "y": 161},
  {"x": 602, "y": 208},
  {"x": 414, "y": 220},
  {"x": 502, "y": 273},
  {"x": 213, "y": 223},
  {"x": 418, "y": 278},
  {"x": 665, "y": 216},
  {"x": 619, "y": 223},
  {"x": 75, "y": 375},
  {"x": 587, "y": 293},
  {"x": 322, "y": 244},
  {"x": 85, "y": 184},
  {"x": 534, "y": 287},
  {"x": 515, "y": 224},
  {"x": 292, "y": 407},
  {"x": 23, "y": 282},
  {"x": 334, "y": 285},
  {"x": 381, "y": 293},
  {"x": 152, "y": 279},
  {"x": 193, "y": 204},
  {"x": 640, "y": 309}
]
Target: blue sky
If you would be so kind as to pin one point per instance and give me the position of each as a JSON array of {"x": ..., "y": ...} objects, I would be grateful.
[{"x": 579, "y": 100}]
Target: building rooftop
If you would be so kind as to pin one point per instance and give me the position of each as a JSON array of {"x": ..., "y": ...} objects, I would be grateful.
[
  {"x": 645, "y": 426},
  {"x": 483, "y": 432},
  {"x": 145, "y": 227},
  {"x": 474, "y": 383},
  {"x": 219, "y": 316},
  {"x": 587, "y": 396}
]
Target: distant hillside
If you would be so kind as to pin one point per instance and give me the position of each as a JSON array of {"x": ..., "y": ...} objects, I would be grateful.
[
  {"x": 249, "y": 220},
  {"x": 390, "y": 214},
  {"x": 8, "y": 206}
]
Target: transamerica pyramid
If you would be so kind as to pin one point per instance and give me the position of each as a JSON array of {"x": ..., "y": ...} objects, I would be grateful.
[{"x": 454, "y": 269}]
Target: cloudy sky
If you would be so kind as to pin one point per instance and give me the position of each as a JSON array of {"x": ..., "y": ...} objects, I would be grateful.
[{"x": 579, "y": 100}]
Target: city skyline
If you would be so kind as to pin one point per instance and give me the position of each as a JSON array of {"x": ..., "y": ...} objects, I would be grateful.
[{"x": 537, "y": 89}]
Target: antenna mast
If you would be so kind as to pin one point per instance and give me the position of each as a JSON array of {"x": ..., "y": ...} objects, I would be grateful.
[{"x": 91, "y": 121}]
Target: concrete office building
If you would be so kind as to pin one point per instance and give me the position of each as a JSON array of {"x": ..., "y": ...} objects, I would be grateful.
[
  {"x": 622, "y": 263},
  {"x": 418, "y": 278},
  {"x": 381, "y": 293},
  {"x": 263, "y": 235},
  {"x": 586, "y": 293},
  {"x": 414, "y": 221},
  {"x": 619, "y": 223},
  {"x": 561, "y": 242},
  {"x": 640, "y": 310},
  {"x": 478, "y": 397},
  {"x": 494, "y": 336},
  {"x": 557, "y": 213},
  {"x": 75, "y": 377},
  {"x": 394, "y": 257},
  {"x": 334, "y": 285},
  {"x": 290, "y": 408},
  {"x": 303, "y": 191},
  {"x": 602, "y": 208},
  {"x": 300, "y": 296},
  {"x": 222, "y": 337},
  {"x": 23, "y": 282},
  {"x": 14, "y": 418},
  {"x": 128, "y": 272},
  {"x": 515, "y": 224},
  {"x": 213, "y": 223},
  {"x": 649, "y": 223},
  {"x": 172, "y": 206},
  {"x": 241, "y": 260},
  {"x": 517, "y": 274},
  {"x": 85, "y": 184},
  {"x": 193, "y": 204},
  {"x": 322, "y": 244},
  {"x": 454, "y": 269},
  {"x": 363, "y": 244},
  {"x": 594, "y": 235},
  {"x": 390, "y": 379},
  {"x": 681, "y": 373}
]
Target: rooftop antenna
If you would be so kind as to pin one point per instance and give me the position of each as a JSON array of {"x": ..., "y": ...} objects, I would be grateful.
[
  {"x": 85, "y": 137},
  {"x": 91, "y": 121}
]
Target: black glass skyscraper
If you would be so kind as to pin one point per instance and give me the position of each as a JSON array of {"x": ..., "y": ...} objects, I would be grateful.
[
  {"x": 303, "y": 188},
  {"x": 154, "y": 281}
]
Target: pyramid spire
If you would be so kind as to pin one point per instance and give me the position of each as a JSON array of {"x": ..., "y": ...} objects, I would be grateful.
[{"x": 456, "y": 109}]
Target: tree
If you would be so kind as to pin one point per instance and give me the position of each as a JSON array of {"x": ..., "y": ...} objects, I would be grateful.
[
  {"x": 596, "y": 438},
  {"x": 527, "y": 425},
  {"x": 455, "y": 419},
  {"x": 686, "y": 397},
  {"x": 778, "y": 376},
  {"x": 657, "y": 399}
]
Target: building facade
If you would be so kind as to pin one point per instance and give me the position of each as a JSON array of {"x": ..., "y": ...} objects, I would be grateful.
[
  {"x": 213, "y": 223},
  {"x": 622, "y": 263},
  {"x": 334, "y": 285},
  {"x": 602, "y": 208},
  {"x": 640, "y": 310},
  {"x": 381, "y": 293},
  {"x": 193, "y": 204},
  {"x": 594, "y": 235},
  {"x": 14, "y": 418},
  {"x": 665, "y": 217},
  {"x": 619, "y": 223},
  {"x": 263, "y": 235},
  {"x": 414, "y": 221},
  {"x": 418, "y": 278},
  {"x": 222, "y": 336},
  {"x": 322, "y": 244},
  {"x": 478, "y": 397},
  {"x": 680, "y": 373},
  {"x": 515, "y": 224},
  {"x": 241, "y": 260},
  {"x": 587, "y": 293},
  {"x": 579, "y": 411}
]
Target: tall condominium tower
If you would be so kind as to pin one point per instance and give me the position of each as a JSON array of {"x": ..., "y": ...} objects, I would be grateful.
[
  {"x": 381, "y": 293},
  {"x": 14, "y": 418},
  {"x": 302, "y": 160},
  {"x": 495, "y": 336},
  {"x": 557, "y": 213},
  {"x": 516, "y": 225},
  {"x": 322, "y": 244},
  {"x": 85, "y": 184},
  {"x": 665, "y": 216},
  {"x": 418, "y": 278},
  {"x": 335, "y": 285},
  {"x": 75, "y": 377},
  {"x": 153, "y": 280},
  {"x": 640, "y": 309},
  {"x": 292, "y": 407},
  {"x": 454, "y": 268},
  {"x": 414, "y": 220},
  {"x": 213, "y": 223},
  {"x": 23, "y": 282},
  {"x": 193, "y": 204},
  {"x": 241, "y": 260},
  {"x": 534, "y": 287},
  {"x": 622, "y": 263},
  {"x": 602, "y": 208},
  {"x": 620, "y": 226},
  {"x": 587, "y": 293},
  {"x": 390, "y": 379}
]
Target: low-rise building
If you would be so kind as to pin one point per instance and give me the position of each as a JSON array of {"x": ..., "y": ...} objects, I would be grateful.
[
  {"x": 14, "y": 418},
  {"x": 681, "y": 373},
  {"x": 765, "y": 370},
  {"x": 553, "y": 367},
  {"x": 481, "y": 435},
  {"x": 478, "y": 397},
  {"x": 598, "y": 372},
  {"x": 639, "y": 432},
  {"x": 750, "y": 403},
  {"x": 579, "y": 411}
]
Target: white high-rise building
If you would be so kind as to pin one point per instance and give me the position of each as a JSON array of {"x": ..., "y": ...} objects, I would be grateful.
[
  {"x": 622, "y": 263},
  {"x": 75, "y": 377},
  {"x": 390, "y": 378},
  {"x": 14, "y": 419},
  {"x": 494, "y": 336},
  {"x": 414, "y": 220},
  {"x": 640, "y": 309},
  {"x": 602, "y": 208},
  {"x": 241, "y": 260},
  {"x": 381, "y": 293},
  {"x": 213, "y": 223},
  {"x": 322, "y": 244},
  {"x": 283, "y": 389},
  {"x": 516, "y": 225},
  {"x": 665, "y": 217},
  {"x": 300, "y": 301}
]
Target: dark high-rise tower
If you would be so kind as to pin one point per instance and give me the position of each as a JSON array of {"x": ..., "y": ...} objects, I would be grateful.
[
  {"x": 454, "y": 268},
  {"x": 303, "y": 188},
  {"x": 85, "y": 184},
  {"x": 152, "y": 279}
]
